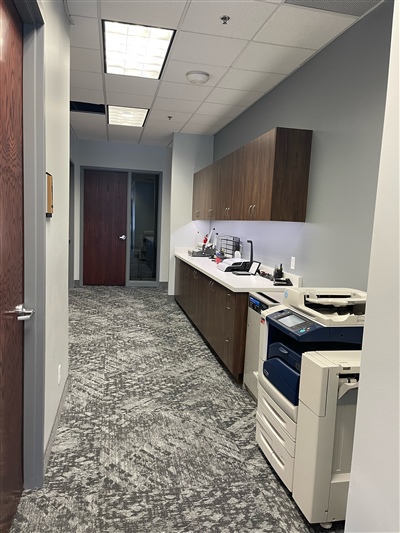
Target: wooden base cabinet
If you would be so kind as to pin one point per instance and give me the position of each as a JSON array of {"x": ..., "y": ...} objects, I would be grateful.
[{"x": 219, "y": 314}]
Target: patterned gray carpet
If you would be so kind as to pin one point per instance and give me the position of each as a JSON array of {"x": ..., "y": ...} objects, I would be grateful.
[{"x": 154, "y": 436}]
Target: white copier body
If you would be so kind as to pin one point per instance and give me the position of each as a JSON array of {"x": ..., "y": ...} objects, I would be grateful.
[{"x": 309, "y": 442}]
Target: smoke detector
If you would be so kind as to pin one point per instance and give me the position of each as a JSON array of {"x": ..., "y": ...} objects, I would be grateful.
[{"x": 197, "y": 76}]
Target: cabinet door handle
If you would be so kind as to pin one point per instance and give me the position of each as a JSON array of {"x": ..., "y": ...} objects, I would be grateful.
[
  {"x": 249, "y": 211},
  {"x": 253, "y": 210}
]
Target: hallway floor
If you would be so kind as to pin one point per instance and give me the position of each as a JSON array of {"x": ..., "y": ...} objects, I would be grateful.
[{"x": 154, "y": 436}]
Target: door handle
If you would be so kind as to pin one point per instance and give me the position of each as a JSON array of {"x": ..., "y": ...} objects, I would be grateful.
[
  {"x": 20, "y": 312},
  {"x": 122, "y": 237}
]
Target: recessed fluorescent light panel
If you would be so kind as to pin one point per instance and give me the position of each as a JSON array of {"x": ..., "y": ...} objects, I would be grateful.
[
  {"x": 127, "y": 116},
  {"x": 132, "y": 50}
]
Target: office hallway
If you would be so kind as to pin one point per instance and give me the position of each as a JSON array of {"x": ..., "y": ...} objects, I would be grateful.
[{"x": 154, "y": 436}]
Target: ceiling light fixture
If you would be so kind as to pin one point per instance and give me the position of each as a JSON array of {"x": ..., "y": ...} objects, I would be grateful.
[
  {"x": 132, "y": 50},
  {"x": 127, "y": 116},
  {"x": 197, "y": 76}
]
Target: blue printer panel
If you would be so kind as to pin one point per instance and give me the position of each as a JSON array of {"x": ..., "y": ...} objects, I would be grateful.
[{"x": 292, "y": 323}]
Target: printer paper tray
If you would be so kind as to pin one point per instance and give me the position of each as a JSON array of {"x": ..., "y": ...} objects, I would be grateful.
[{"x": 290, "y": 409}]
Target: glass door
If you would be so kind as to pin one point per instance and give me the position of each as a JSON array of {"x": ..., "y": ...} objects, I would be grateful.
[{"x": 143, "y": 238}]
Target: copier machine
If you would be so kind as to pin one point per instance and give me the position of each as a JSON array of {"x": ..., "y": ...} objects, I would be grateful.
[{"x": 309, "y": 365}]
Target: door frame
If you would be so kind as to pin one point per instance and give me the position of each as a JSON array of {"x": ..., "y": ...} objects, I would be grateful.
[
  {"x": 71, "y": 244},
  {"x": 34, "y": 241},
  {"x": 128, "y": 283},
  {"x": 144, "y": 283}
]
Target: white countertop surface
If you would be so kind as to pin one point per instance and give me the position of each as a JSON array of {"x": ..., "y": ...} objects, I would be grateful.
[{"x": 229, "y": 280}]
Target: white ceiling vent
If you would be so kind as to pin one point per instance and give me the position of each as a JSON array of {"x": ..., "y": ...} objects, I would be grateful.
[{"x": 357, "y": 8}]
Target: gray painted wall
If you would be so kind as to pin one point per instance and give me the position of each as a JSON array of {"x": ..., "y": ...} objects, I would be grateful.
[
  {"x": 374, "y": 494},
  {"x": 340, "y": 95},
  {"x": 190, "y": 153}
]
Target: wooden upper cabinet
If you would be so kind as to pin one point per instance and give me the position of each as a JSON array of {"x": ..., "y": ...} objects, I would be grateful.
[
  {"x": 203, "y": 195},
  {"x": 267, "y": 179}
]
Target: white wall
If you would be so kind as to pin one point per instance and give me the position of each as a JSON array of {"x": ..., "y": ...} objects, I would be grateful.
[
  {"x": 340, "y": 95},
  {"x": 190, "y": 154},
  {"x": 374, "y": 497},
  {"x": 57, "y": 82},
  {"x": 125, "y": 157}
]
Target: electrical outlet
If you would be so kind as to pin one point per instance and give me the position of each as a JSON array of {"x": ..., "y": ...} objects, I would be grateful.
[
  {"x": 59, "y": 374},
  {"x": 292, "y": 262}
]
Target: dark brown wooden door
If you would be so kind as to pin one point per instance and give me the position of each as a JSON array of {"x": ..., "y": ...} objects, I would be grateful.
[
  {"x": 104, "y": 234},
  {"x": 11, "y": 262}
]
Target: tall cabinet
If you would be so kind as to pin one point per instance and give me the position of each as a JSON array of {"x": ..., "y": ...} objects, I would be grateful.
[{"x": 266, "y": 179}]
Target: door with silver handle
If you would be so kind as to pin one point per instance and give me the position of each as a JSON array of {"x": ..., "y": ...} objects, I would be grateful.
[
  {"x": 20, "y": 313},
  {"x": 122, "y": 237}
]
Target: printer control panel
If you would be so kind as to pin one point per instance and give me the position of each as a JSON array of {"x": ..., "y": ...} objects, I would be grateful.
[{"x": 297, "y": 324}]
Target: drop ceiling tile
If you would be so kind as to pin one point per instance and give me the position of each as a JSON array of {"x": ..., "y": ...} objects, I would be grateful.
[
  {"x": 129, "y": 100},
  {"x": 85, "y": 33},
  {"x": 131, "y": 85},
  {"x": 247, "y": 80},
  {"x": 86, "y": 95},
  {"x": 199, "y": 129},
  {"x": 183, "y": 91},
  {"x": 170, "y": 105},
  {"x": 86, "y": 80},
  {"x": 124, "y": 134},
  {"x": 89, "y": 126},
  {"x": 206, "y": 49},
  {"x": 162, "y": 116},
  {"x": 204, "y": 120},
  {"x": 82, "y": 9},
  {"x": 233, "y": 97},
  {"x": 163, "y": 14},
  {"x": 272, "y": 58},
  {"x": 303, "y": 27},
  {"x": 220, "y": 110},
  {"x": 85, "y": 59},
  {"x": 175, "y": 71},
  {"x": 245, "y": 18},
  {"x": 155, "y": 138},
  {"x": 161, "y": 126}
]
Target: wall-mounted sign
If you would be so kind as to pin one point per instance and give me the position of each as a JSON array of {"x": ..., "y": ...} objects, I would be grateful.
[{"x": 49, "y": 195}]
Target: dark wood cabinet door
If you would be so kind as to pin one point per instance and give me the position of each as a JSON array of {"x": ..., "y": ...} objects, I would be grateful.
[
  {"x": 203, "y": 195},
  {"x": 291, "y": 170},
  {"x": 256, "y": 177},
  {"x": 224, "y": 187}
]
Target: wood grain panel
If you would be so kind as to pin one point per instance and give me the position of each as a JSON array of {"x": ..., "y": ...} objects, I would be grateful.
[
  {"x": 11, "y": 262},
  {"x": 292, "y": 166},
  {"x": 105, "y": 205}
]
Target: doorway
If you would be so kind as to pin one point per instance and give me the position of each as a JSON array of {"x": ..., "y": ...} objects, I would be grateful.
[
  {"x": 11, "y": 263},
  {"x": 143, "y": 231},
  {"x": 104, "y": 227}
]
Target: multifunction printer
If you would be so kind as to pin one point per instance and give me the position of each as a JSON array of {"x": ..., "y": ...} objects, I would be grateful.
[{"x": 309, "y": 360}]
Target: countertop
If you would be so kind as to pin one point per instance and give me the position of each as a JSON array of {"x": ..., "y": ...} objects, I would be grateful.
[{"x": 229, "y": 280}]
